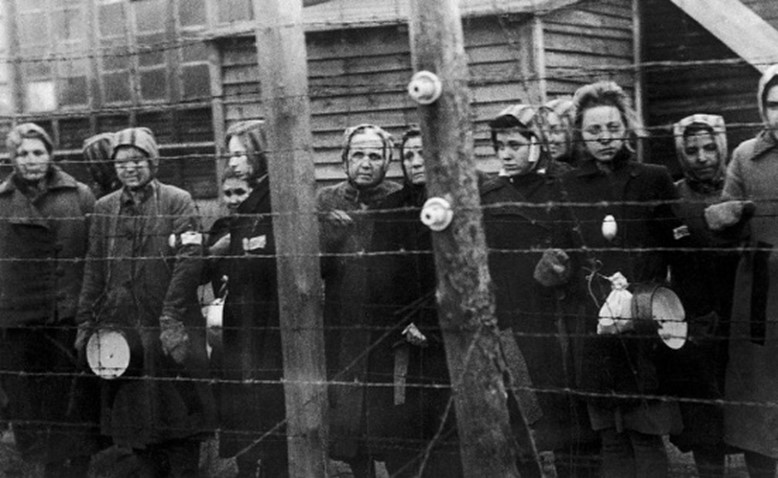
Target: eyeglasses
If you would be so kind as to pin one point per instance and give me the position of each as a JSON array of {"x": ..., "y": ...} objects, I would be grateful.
[{"x": 234, "y": 192}]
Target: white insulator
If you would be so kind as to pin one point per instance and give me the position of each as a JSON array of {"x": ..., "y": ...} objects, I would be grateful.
[
  {"x": 425, "y": 87},
  {"x": 436, "y": 214}
]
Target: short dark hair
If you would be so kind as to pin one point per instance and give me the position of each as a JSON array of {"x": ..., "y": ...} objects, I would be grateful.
[{"x": 509, "y": 123}]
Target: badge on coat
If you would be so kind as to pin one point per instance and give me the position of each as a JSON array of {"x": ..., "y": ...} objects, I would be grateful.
[{"x": 254, "y": 243}]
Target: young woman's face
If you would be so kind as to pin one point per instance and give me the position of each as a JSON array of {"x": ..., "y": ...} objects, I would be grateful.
[
  {"x": 514, "y": 151},
  {"x": 235, "y": 191},
  {"x": 556, "y": 132},
  {"x": 603, "y": 132},
  {"x": 239, "y": 158}
]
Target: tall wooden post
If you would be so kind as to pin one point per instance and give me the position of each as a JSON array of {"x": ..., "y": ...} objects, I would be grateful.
[
  {"x": 465, "y": 301},
  {"x": 284, "y": 79}
]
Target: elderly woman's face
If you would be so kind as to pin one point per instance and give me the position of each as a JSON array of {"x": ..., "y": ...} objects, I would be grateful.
[
  {"x": 32, "y": 159},
  {"x": 603, "y": 132},
  {"x": 239, "y": 158},
  {"x": 366, "y": 161}
]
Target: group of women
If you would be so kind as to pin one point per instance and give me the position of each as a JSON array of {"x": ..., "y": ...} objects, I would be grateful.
[{"x": 600, "y": 397}]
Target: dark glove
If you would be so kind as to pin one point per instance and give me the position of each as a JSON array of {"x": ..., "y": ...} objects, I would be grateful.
[
  {"x": 173, "y": 338},
  {"x": 553, "y": 269},
  {"x": 727, "y": 214}
]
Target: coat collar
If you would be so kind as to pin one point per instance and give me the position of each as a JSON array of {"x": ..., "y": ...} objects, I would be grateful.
[{"x": 765, "y": 141}]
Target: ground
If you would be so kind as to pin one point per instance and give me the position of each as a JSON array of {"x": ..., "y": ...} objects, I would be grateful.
[{"x": 213, "y": 466}]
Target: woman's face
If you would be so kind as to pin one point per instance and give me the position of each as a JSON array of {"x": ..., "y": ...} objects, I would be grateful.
[
  {"x": 413, "y": 160},
  {"x": 556, "y": 133},
  {"x": 603, "y": 132},
  {"x": 366, "y": 161},
  {"x": 701, "y": 154},
  {"x": 235, "y": 191},
  {"x": 239, "y": 158}
]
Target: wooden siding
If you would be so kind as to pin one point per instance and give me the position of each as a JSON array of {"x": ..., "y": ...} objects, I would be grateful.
[
  {"x": 591, "y": 42},
  {"x": 674, "y": 91},
  {"x": 361, "y": 75}
]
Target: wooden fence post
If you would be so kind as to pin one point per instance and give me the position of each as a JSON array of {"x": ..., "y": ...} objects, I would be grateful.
[
  {"x": 282, "y": 58},
  {"x": 465, "y": 300}
]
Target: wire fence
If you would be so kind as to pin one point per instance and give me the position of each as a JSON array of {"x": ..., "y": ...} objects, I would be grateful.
[{"x": 380, "y": 320}]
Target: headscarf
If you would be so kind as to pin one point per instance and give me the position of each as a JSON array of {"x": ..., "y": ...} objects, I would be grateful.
[
  {"x": 97, "y": 153},
  {"x": 251, "y": 134},
  {"x": 767, "y": 78},
  {"x": 386, "y": 139},
  {"x": 718, "y": 130},
  {"x": 142, "y": 139}
]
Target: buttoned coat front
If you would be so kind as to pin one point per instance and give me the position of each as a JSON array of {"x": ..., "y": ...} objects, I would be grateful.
[
  {"x": 43, "y": 242},
  {"x": 639, "y": 196},
  {"x": 751, "y": 372}
]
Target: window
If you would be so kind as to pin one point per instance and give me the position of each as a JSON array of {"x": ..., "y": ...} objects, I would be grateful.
[{"x": 145, "y": 63}]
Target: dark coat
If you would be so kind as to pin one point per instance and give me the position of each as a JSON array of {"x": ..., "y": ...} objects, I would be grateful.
[
  {"x": 635, "y": 194},
  {"x": 251, "y": 332},
  {"x": 516, "y": 235},
  {"x": 751, "y": 372},
  {"x": 401, "y": 291},
  {"x": 133, "y": 277},
  {"x": 43, "y": 242},
  {"x": 47, "y": 238},
  {"x": 345, "y": 325},
  {"x": 703, "y": 277}
]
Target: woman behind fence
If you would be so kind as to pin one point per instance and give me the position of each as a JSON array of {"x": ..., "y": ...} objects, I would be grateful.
[
  {"x": 703, "y": 276},
  {"x": 617, "y": 366},
  {"x": 43, "y": 237},
  {"x": 516, "y": 232},
  {"x": 752, "y": 376},
  {"x": 411, "y": 398},
  {"x": 252, "y": 414},
  {"x": 141, "y": 275}
]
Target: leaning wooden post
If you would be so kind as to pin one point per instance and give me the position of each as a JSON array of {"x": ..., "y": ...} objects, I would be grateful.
[
  {"x": 284, "y": 80},
  {"x": 465, "y": 301}
]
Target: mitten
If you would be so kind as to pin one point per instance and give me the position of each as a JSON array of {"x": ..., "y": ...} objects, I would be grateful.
[
  {"x": 173, "y": 338},
  {"x": 553, "y": 268},
  {"x": 727, "y": 214}
]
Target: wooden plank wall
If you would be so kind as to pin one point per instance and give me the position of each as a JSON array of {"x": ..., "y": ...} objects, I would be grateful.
[
  {"x": 675, "y": 91},
  {"x": 361, "y": 75},
  {"x": 591, "y": 42}
]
